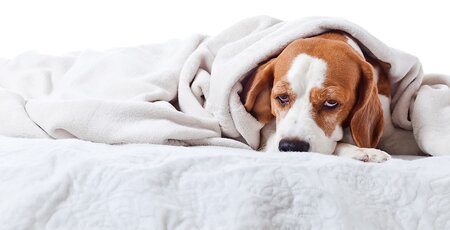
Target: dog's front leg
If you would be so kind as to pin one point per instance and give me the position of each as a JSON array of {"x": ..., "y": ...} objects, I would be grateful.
[{"x": 362, "y": 154}]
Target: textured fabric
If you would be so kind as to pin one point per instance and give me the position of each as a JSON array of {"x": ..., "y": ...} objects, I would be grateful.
[
  {"x": 74, "y": 184},
  {"x": 186, "y": 92}
]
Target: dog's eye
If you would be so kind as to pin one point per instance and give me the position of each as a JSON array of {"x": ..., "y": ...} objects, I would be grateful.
[
  {"x": 283, "y": 99},
  {"x": 330, "y": 104}
]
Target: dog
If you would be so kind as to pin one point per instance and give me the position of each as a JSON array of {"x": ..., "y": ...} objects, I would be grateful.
[{"x": 323, "y": 94}]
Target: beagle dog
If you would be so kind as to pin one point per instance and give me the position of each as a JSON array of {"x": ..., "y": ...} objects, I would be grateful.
[{"x": 321, "y": 94}]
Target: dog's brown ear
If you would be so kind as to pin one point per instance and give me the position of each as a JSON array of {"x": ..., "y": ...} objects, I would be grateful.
[
  {"x": 257, "y": 92},
  {"x": 366, "y": 122}
]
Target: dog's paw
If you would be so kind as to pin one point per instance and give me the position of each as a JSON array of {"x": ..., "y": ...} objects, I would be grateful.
[{"x": 370, "y": 155}]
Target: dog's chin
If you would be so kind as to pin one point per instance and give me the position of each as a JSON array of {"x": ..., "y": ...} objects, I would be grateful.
[{"x": 326, "y": 148}]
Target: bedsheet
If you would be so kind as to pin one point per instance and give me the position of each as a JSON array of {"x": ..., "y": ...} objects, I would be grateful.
[{"x": 75, "y": 184}]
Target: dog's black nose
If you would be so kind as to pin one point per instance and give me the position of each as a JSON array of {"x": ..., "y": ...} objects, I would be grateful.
[{"x": 292, "y": 145}]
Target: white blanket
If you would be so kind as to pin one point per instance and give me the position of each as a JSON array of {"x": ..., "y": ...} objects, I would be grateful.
[
  {"x": 187, "y": 91},
  {"x": 74, "y": 184}
]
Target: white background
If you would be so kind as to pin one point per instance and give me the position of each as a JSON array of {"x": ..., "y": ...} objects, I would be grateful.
[{"x": 59, "y": 26}]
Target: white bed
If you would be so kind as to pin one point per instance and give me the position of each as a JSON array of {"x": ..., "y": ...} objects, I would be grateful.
[{"x": 74, "y": 184}]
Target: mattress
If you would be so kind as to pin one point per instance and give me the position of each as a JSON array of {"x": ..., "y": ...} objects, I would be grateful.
[{"x": 74, "y": 184}]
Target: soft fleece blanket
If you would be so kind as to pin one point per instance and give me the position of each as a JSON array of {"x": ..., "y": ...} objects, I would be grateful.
[
  {"x": 74, "y": 184},
  {"x": 187, "y": 91}
]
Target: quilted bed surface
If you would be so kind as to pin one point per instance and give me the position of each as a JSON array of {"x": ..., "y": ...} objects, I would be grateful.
[{"x": 73, "y": 184}]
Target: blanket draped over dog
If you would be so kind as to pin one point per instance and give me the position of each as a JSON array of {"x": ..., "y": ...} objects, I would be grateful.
[{"x": 187, "y": 91}]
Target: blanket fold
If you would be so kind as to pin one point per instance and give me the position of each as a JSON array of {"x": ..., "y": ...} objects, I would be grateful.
[{"x": 187, "y": 91}]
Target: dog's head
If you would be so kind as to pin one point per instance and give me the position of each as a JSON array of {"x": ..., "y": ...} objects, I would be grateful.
[{"x": 314, "y": 89}]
